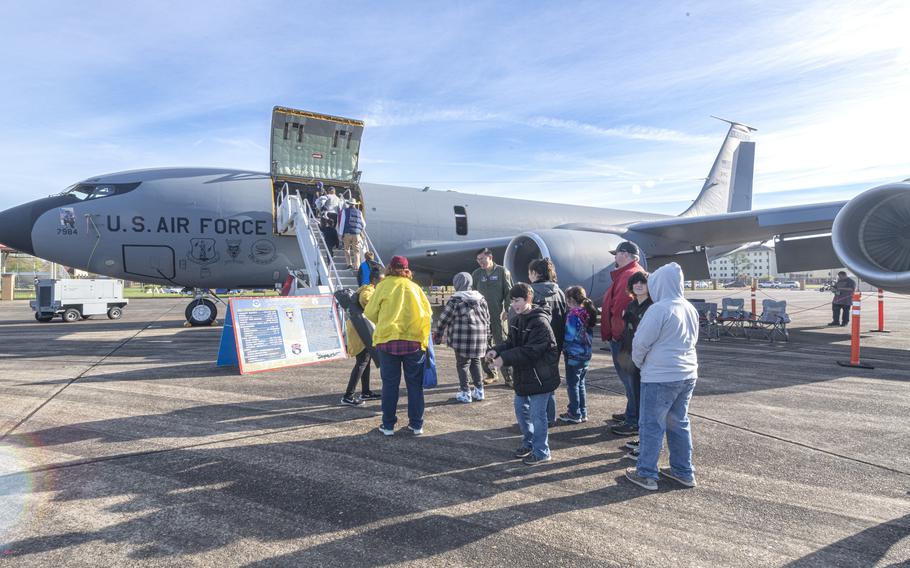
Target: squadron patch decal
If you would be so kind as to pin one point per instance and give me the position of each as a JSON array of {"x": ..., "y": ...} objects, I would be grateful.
[
  {"x": 263, "y": 251},
  {"x": 202, "y": 251}
]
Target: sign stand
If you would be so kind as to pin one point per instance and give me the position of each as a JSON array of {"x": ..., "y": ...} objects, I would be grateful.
[
  {"x": 227, "y": 349},
  {"x": 262, "y": 334}
]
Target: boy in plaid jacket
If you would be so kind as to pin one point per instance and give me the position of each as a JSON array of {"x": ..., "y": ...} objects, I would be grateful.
[{"x": 467, "y": 319}]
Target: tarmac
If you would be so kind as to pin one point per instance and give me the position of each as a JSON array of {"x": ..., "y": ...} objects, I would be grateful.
[{"x": 121, "y": 443}]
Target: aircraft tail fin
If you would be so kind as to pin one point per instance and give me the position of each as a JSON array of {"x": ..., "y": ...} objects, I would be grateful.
[{"x": 728, "y": 186}]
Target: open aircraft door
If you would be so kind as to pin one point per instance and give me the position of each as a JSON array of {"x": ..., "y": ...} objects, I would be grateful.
[{"x": 307, "y": 147}]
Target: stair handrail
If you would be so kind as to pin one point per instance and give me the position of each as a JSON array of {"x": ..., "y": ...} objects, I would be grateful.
[
  {"x": 331, "y": 271},
  {"x": 372, "y": 248}
]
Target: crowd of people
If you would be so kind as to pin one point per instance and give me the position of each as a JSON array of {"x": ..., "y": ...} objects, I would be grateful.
[
  {"x": 522, "y": 332},
  {"x": 341, "y": 223}
]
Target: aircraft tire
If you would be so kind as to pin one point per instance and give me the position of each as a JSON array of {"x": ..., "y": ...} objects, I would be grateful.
[
  {"x": 201, "y": 312},
  {"x": 71, "y": 315},
  {"x": 114, "y": 313}
]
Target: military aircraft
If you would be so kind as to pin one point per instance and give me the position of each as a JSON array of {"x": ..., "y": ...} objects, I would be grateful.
[{"x": 207, "y": 228}]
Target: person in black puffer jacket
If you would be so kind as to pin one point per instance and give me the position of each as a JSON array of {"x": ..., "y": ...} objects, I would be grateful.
[
  {"x": 531, "y": 352},
  {"x": 638, "y": 289},
  {"x": 542, "y": 274}
]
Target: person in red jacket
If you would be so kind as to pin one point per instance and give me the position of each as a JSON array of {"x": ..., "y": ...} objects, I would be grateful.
[{"x": 611, "y": 326}]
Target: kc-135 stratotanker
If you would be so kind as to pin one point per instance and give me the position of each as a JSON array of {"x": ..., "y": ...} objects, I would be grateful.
[{"x": 208, "y": 228}]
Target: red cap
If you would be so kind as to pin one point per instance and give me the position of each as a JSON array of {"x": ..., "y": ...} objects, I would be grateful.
[{"x": 398, "y": 262}]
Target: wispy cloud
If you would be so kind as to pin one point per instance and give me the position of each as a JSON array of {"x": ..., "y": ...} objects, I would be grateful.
[{"x": 582, "y": 102}]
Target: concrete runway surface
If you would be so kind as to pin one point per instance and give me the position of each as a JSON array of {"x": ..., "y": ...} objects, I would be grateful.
[{"x": 123, "y": 444}]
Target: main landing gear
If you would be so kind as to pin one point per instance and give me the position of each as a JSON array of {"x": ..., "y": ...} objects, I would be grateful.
[{"x": 201, "y": 311}]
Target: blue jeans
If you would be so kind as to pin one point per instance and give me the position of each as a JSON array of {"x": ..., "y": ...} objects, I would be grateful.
[
  {"x": 531, "y": 413},
  {"x": 575, "y": 385},
  {"x": 626, "y": 379},
  {"x": 664, "y": 408},
  {"x": 390, "y": 367}
]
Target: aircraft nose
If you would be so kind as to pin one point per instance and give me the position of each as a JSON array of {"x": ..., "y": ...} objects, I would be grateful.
[{"x": 16, "y": 228}]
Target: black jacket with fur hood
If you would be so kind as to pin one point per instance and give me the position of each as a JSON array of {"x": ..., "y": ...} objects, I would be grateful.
[{"x": 531, "y": 352}]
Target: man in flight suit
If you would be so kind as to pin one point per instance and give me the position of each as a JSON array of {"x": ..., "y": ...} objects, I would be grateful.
[{"x": 494, "y": 282}]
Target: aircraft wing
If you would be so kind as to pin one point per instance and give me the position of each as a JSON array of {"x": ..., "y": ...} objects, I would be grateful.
[
  {"x": 446, "y": 258},
  {"x": 741, "y": 227}
]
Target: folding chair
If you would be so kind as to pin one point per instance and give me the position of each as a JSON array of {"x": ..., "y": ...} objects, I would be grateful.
[
  {"x": 707, "y": 319},
  {"x": 733, "y": 316},
  {"x": 773, "y": 320}
]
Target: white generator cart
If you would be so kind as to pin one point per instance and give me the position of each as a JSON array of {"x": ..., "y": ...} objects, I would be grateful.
[{"x": 77, "y": 299}]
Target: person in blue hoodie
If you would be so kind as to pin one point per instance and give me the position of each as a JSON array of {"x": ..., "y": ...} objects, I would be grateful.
[
  {"x": 664, "y": 349},
  {"x": 579, "y": 336}
]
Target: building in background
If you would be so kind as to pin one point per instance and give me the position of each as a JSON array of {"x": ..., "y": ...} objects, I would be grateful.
[{"x": 752, "y": 262}]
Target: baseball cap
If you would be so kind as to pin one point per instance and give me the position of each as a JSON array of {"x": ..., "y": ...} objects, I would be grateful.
[
  {"x": 398, "y": 262},
  {"x": 626, "y": 246}
]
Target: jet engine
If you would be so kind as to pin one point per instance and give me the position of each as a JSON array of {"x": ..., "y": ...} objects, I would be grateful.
[
  {"x": 871, "y": 236},
  {"x": 581, "y": 258}
]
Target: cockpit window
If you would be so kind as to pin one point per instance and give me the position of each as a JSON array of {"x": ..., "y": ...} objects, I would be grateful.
[{"x": 82, "y": 191}]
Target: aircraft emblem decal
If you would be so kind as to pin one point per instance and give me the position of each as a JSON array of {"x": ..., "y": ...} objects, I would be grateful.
[
  {"x": 202, "y": 251},
  {"x": 67, "y": 222},
  {"x": 233, "y": 250},
  {"x": 263, "y": 251},
  {"x": 296, "y": 349}
]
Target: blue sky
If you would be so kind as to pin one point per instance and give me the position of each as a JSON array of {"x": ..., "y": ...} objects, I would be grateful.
[{"x": 592, "y": 103}]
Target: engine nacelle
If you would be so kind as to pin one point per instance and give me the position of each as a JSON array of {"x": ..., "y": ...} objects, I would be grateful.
[
  {"x": 871, "y": 236},
  {"x": 581, "y": 258}
]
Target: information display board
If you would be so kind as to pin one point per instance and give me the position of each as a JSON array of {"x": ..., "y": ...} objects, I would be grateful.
[{"x": 276, "y": 332}]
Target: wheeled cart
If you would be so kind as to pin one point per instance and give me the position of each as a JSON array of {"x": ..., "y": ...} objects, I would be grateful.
[{"x": 75, "y": 299}]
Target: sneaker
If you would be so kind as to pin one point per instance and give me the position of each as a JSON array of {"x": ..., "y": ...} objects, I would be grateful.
[
  {"x": 522, "y": 452},
  {"x": 489, "y": 380},
  {"x": 534, "y": 460},
  {"x": 552, "y": 424},
  {"x": 370, "y": 395},
  {"x": 619, "y": 417},
  {"x": 625, "y": 430},
  {"x": 667, "y": 472},
  {"x": 463, "y": 396},
  {"x": 508, "y": 382},
  {"x": 584, "y": 418},
  {"x": 633, "y": 455},
  {"x": 415, "y": 431},
  {"x": 386, "y": 431},
  {"x": 645, "y": 482},
  {"x": 631, "y": 445},
  {"x": 570, "y": 419},
  {"x": 477, "y": 394},
  {"x": 351, "y": 400}
]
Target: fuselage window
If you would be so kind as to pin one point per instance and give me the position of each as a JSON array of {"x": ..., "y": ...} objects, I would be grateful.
[
  {"x": 102, "y": 191},
  {"x": 461, "y": 220}
]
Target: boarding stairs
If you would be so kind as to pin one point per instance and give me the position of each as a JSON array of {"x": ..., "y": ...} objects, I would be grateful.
[{"x": 295, "y": 216}]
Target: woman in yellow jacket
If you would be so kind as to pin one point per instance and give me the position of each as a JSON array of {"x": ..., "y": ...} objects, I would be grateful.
[
  {"x": 361, "y": 370},
  {"x": 402, "y": 313}
]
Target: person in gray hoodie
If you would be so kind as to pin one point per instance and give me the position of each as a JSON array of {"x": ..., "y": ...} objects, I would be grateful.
[{"x": 664, "y": 349}]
